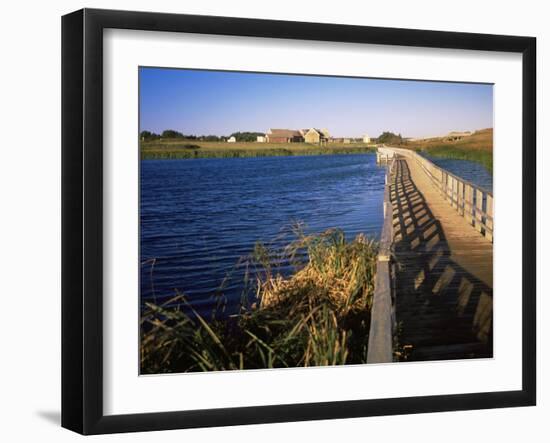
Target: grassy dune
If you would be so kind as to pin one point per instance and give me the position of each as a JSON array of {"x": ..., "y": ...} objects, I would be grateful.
[
  {"x": 478, "y": 147},
  {"x": 318, "y": 316},
  {"x": 181, "y": 149}
]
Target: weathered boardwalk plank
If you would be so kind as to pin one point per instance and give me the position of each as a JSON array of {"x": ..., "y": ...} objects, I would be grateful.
[{"x": 444, "y": 276}]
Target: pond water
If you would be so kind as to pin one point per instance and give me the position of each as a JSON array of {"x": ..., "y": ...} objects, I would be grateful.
[
  {"x": 199, "y": 217},
  {"x": 468, "y": 170}
]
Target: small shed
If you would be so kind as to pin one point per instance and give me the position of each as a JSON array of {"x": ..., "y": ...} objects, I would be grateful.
[
  {"x": 366, "y": 138},
  {"x": 260, "y": 138},
  {"x": 231, "y": 139}
]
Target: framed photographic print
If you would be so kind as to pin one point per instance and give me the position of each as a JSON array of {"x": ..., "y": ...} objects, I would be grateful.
[{"x": 269, "y": 221}]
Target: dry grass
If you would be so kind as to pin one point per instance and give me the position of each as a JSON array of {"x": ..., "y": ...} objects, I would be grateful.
[
  {"x": 320, "y": 315},
  {"x": 478, "y": 147},
  {"x": 481, "y": 140},
  {"x": 337, "y": 270}
]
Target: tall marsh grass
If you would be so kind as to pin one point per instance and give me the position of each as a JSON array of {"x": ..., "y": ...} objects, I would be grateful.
[
  {"x": 318, "y": 316},
  {"x": 190, "y": 153},
  {"x": 177, "y": 149}
]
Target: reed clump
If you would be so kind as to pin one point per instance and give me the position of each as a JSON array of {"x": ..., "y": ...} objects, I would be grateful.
[{"x": 317, "y": 316}]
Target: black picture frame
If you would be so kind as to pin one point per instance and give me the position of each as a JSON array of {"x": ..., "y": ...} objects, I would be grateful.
[{"x": 82, "y": 218}]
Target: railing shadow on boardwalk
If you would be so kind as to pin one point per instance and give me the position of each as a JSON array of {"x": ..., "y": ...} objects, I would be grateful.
[{"x": 443, "y": 311}]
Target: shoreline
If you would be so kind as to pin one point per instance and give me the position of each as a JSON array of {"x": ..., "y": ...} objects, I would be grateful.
[
  {"x": 169, "y": 150},
  {"x": 483, "y": 158},
  {"x": 190, "y": 155}
]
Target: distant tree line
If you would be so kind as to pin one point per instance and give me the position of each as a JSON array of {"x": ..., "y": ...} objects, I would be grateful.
[
  {"x": 171, "y": 133},
  {"x": 390, "y": 138},
  {"x": 246, "y": 136}
]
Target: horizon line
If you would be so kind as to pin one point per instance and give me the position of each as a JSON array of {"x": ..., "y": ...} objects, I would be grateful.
[{"x": 309, "y": 127}]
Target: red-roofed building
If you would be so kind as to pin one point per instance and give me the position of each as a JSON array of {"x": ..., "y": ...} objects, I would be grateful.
[{"x": 284, "y": 136}]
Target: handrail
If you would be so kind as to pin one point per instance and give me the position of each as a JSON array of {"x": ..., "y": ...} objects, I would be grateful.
[
  {"x": 380, "y": 347},
  {"x": 408, "y": 152},
  {"x": 471, "y": 201}
]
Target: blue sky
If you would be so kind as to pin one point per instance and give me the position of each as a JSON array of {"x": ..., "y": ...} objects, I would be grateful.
[{"x": 219, "y": 103}]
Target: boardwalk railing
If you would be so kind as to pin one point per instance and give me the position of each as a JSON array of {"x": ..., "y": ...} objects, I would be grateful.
[
  {"x": 473, "y": 202},
  {"x": 380, "y": 348}
]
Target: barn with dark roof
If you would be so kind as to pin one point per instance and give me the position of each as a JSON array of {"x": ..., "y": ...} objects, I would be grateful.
[{"x": 284, "y": 136}]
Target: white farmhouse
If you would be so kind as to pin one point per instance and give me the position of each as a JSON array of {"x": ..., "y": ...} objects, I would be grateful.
[{"x": 231, "y": 139}]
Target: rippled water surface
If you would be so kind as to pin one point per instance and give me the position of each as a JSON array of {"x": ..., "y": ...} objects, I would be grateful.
[
  {"x": 468, "y": 170},
  {"x": 198, "y": 217}
]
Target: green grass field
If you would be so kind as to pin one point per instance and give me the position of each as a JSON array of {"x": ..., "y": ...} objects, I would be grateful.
[
  {"x": 182, "y": 149},
  {"x": 477, "y": 147}
]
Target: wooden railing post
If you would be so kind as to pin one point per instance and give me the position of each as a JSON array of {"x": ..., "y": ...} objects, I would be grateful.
[
  {"x": 454, "y": 202},
  {"x": 468, "y": 204},
  {"x": 460, "y": 198},
  {"x": 489, "y": 220},
  {"x": 479, "y": 210}
]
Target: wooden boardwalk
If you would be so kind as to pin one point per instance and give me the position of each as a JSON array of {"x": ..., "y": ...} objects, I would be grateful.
[{"x": 441, "y": 297}]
